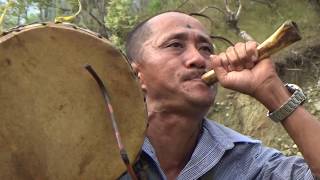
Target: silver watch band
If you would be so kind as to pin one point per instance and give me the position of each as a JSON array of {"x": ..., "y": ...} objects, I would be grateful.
[{"x": 290, "y": 106}]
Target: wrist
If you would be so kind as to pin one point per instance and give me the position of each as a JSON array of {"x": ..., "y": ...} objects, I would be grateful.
[
  {"x": 273, "y": 95},
  {"x": 296, "y": 99}
]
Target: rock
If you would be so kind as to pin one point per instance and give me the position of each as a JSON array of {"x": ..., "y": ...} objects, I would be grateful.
[{"x": 317, "y": 105}]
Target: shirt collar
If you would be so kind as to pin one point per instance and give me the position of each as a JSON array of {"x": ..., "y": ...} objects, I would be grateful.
[{"x": 212, "y": 144}]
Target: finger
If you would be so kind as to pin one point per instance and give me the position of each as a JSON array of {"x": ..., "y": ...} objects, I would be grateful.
[
  {"x": 224, "y": 61},
  {"x": 242, "y": 52},
  {"x": 218, "y": 67},
  {"x": 252, "y": 52},
  {"x": 234, "y": 59}
]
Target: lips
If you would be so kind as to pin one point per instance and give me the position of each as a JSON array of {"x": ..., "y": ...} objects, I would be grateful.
[{"x": 193, "y": 75}]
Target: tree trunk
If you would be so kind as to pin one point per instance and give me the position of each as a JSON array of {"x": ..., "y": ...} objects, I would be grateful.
[
  {"x": 138, "y": 5},
  {"x": 92, "y": 16},
  {"x": 47, "y": 10}
]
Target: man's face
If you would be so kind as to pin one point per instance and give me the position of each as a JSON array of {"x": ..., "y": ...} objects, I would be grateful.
[{"x": 173, "y": 59}]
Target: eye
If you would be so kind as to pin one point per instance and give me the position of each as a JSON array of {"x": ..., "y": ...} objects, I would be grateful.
[
  {"x": 207, "y": 48},
  {"x": 175, "y": 44}
]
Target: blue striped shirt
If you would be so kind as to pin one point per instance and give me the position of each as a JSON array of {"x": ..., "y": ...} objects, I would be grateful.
[{"x": 229, "y": 155}]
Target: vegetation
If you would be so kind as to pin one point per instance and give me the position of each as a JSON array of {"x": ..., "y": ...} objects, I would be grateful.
[
  {"x": 120, "y": 20},
  {"x": 299, "y": 64}
]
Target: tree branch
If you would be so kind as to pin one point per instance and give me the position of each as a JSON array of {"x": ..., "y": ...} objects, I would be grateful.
[
  {"x": 239, "y": 10},
  {"x": 205, "y": 16},
  {"x": 264, "y": 2},
  {"x": 233, "y": 16},
  {"x": 232, "y": 19},
  {"x": 107, "y": 31},
  {"x": 227, "y": 7},
  {"x": 222, "y": 38},
  {"x": 212, "y": 7},
  {"x": 183, "y": 3}
]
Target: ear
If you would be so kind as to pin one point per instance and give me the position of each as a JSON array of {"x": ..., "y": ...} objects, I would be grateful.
[
  {"x": 135, "y": 68},
  {"x": 139, "y": 74}
]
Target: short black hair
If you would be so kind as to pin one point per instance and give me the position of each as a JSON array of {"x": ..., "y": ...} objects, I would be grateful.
[{"x": 140, "y": 33}]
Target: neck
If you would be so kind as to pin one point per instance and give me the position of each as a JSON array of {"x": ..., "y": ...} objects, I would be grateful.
[{"x": 174, "y": 137}]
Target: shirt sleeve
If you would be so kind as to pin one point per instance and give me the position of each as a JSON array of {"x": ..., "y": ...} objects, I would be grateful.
[{"x": 269, "y": 163}]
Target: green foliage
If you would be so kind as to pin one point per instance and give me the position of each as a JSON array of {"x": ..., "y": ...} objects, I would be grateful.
[
  {"x": 154, "y": 6},
  {"x": 120, "y": 20},
  {"x": 20, "y": 12},
  {"x": 62, "y": 10},
  {"x": 29, "y": 11},
  {"x": 6, "y": 6}
]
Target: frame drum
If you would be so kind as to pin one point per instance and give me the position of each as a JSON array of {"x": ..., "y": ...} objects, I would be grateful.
[{"x": 53, "y": 121}]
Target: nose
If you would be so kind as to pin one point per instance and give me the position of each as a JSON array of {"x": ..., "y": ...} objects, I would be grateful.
[{"x": 194, "y": 59}]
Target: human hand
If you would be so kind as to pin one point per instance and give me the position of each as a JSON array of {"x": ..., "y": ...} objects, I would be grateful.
[{"x": 239, "y": 69}]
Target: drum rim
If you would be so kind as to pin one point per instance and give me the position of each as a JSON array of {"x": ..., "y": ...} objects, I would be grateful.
[{"x": 24, "y": 28}]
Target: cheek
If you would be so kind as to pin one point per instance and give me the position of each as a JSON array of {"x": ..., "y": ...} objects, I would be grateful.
[
  {"x": 179, "y": 75},
  {"x": 162, "y": 68},
  {"x": 166, "y": 71}
]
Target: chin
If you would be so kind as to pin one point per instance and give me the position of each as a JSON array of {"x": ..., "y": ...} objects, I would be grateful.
[
  {"x": 201, "y": 99},
  {"x": 200, "y": 94}
]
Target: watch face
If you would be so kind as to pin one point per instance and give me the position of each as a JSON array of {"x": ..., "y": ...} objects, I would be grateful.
[{"x": 292, "y": 88}]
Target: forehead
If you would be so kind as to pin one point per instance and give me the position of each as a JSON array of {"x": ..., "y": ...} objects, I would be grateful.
[{"x": 172, "y": 21}]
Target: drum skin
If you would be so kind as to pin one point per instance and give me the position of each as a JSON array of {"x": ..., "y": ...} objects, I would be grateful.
[{"x": 53, "y": 121}]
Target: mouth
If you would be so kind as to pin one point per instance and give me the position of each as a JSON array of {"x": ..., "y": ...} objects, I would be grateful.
[{"x": 194, "y": 75}]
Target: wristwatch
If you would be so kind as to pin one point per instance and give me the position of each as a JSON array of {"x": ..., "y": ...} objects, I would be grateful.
[{"x": 297, "y": 98}]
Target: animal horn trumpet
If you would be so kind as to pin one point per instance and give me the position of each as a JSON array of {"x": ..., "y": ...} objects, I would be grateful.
[{"x": 285, "y": 35}]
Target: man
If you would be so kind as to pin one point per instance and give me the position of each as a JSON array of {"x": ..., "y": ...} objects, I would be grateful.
[{"x": 169, "y": 53}]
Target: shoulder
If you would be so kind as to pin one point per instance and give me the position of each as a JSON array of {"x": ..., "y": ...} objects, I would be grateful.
[
  {"x": 251, "y": 159},
  {"x": 226, "y": 135}
]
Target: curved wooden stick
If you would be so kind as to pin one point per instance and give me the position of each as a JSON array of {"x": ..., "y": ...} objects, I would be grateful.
[
  {"x": 123, "y": 152},
  {"x": 285, "y": 35}
]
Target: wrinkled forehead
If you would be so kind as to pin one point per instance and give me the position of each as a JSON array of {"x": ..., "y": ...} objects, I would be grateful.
[{"x": 171, "y": 21}]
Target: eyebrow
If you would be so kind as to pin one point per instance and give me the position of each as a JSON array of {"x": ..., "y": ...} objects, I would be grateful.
[{"x": 183, "y": 36}]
